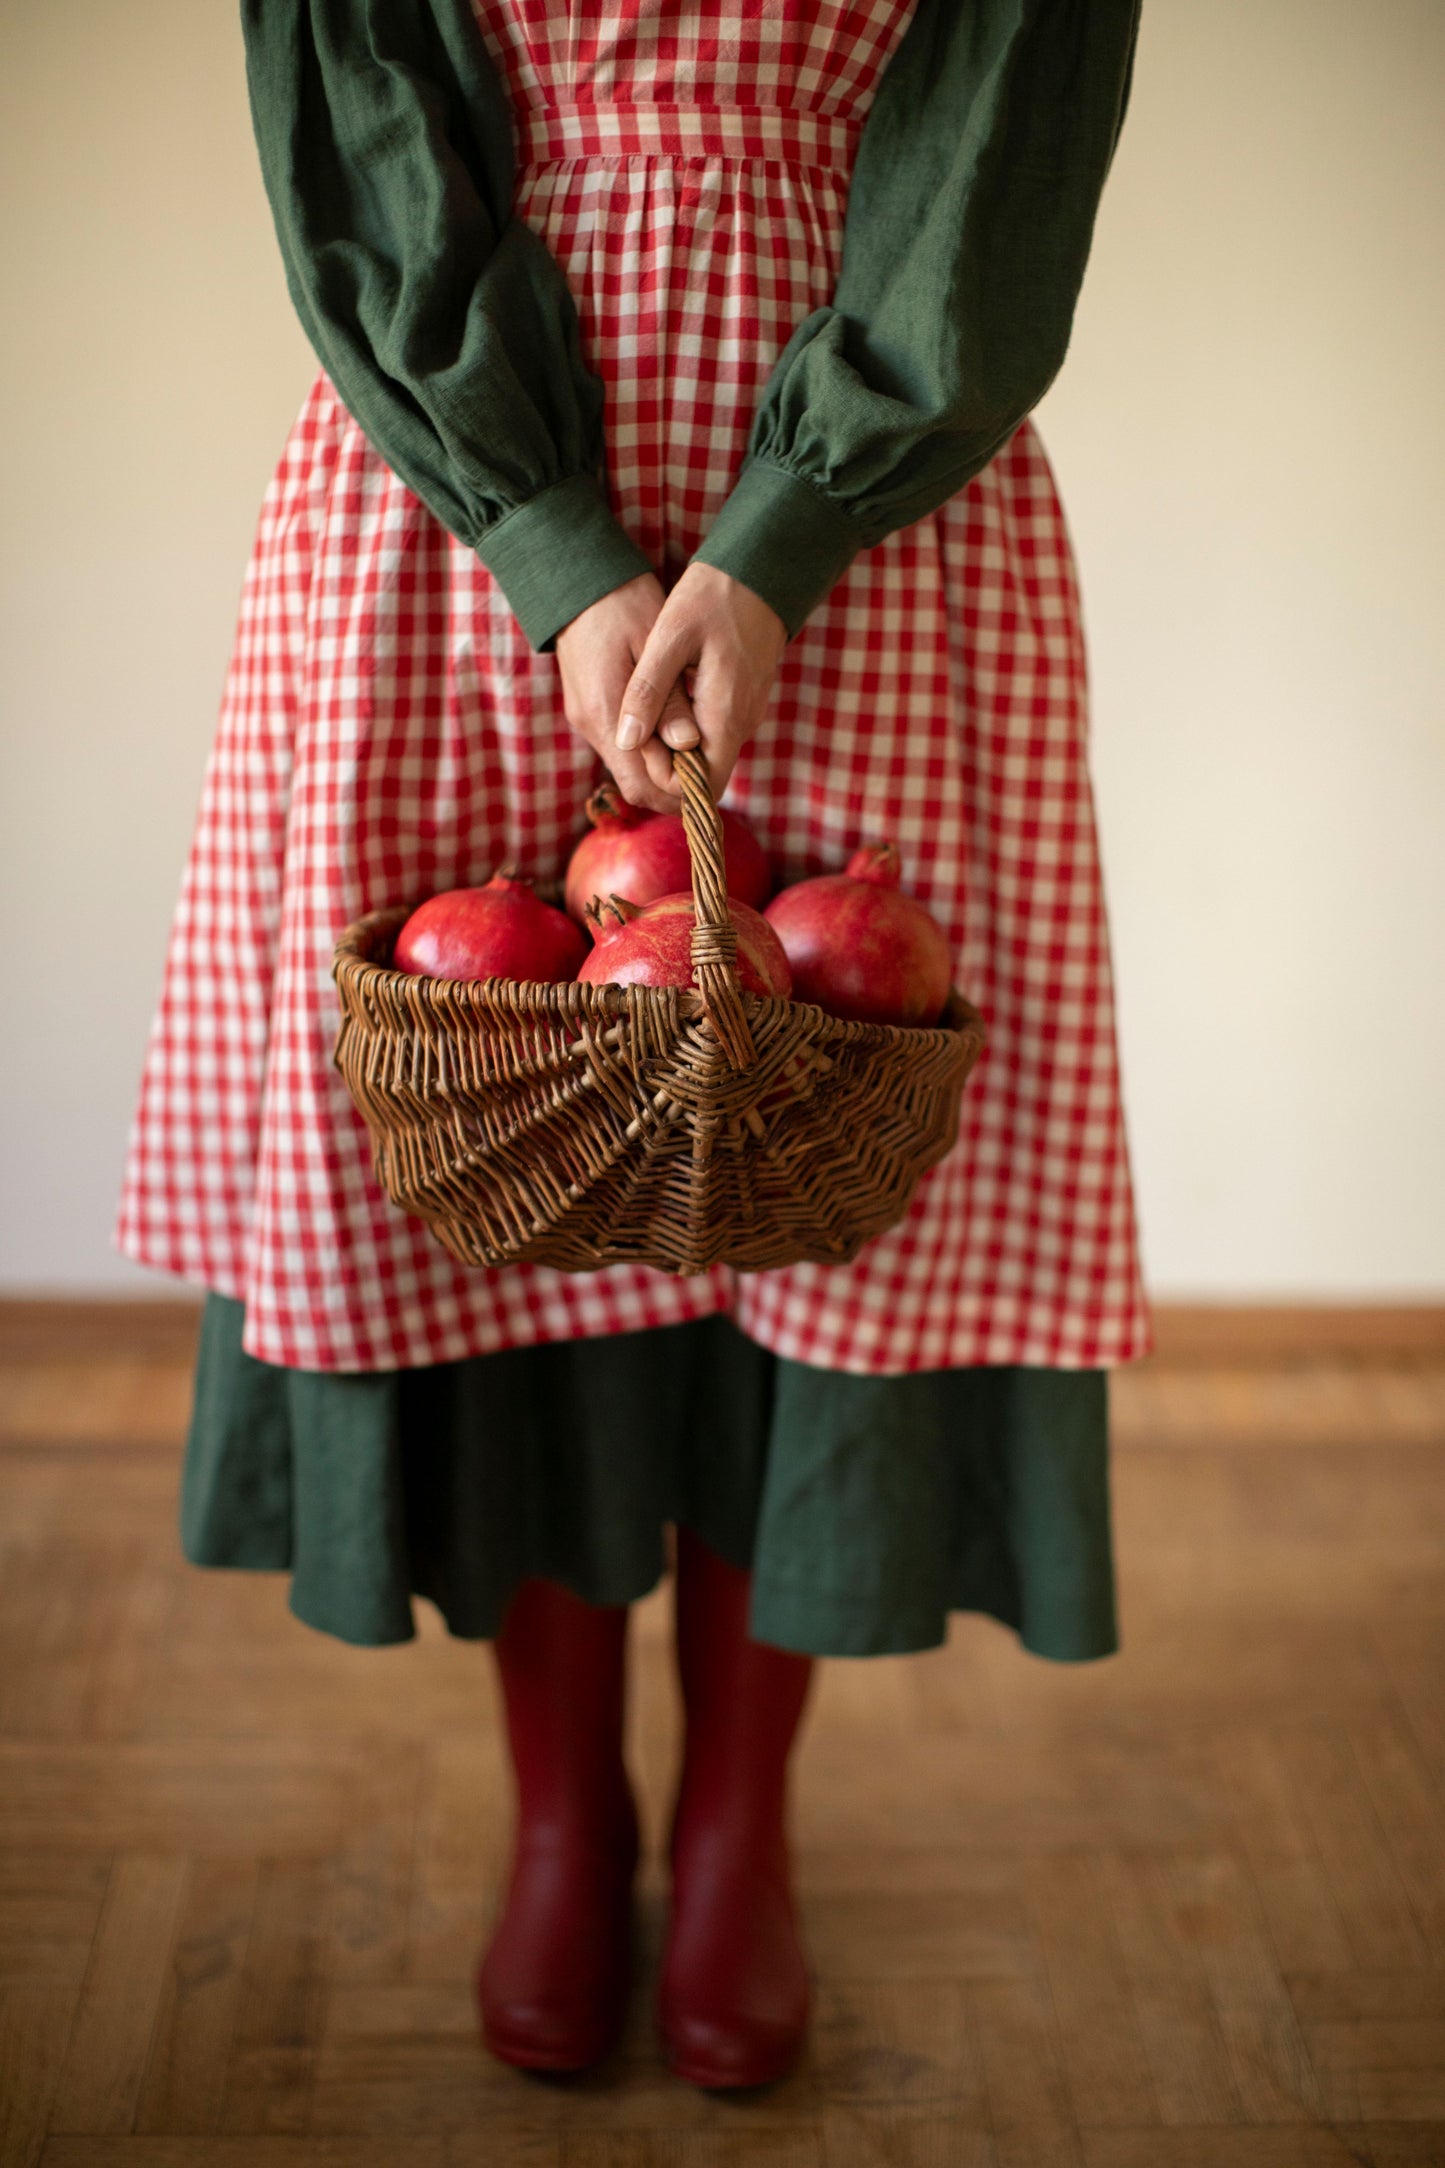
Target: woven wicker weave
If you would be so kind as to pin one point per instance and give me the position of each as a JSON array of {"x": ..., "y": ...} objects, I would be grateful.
[{"x": 582, "y": 1126}]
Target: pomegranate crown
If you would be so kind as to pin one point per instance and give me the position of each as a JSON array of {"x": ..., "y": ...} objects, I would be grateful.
[
  {"x": 875, "y": 862},
  {"x": 608, "y": 807},
  {"x": 606, "y": 914}
]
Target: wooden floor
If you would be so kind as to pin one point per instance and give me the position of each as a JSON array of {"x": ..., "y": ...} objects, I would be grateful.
[{"x": 1181, "y": 1909}]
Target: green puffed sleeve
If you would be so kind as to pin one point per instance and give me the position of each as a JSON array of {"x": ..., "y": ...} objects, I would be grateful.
[
  {"x": 445, "y": 324},
  {"x": 970, "y": 213}
]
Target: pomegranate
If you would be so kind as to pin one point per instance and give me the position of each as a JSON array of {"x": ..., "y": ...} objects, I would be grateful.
[
  {"x": 859, "y": 947},
  {"x": 644, "y": 855},
  {"x": 651, "y": 945},
  {"x": 502, "y": 930}
]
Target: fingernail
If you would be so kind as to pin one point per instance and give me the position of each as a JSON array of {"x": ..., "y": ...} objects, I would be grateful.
[
  {"x": 678, "y": 731},
  {"x": 630, "y": 733}
]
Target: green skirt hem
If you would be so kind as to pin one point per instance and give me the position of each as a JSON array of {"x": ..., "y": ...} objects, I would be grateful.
[{"x": 868, "y": 1509}]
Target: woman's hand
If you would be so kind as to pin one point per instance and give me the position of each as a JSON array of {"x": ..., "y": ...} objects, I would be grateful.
[
  {"x": 598, "y": 652},
  {"x": 730, "y": 641}
]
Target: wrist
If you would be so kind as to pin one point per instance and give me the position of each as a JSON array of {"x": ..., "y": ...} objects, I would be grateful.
[
  {"x": 630, "y": 605},
  {"x": 716, "y": 586},
  {"x": 557, "y": 554},
  {"x": 783, "y": 538}
]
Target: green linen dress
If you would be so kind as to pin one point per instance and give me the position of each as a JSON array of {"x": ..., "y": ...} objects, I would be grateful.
[{"x": 867, "y": 1506}]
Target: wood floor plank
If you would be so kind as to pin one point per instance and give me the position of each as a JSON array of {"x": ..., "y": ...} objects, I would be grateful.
[
  {"x": 1405, "y": 2145},
  {"x": 1411, "y": 1810},
  {"x": 140, "y": 1630},
  {"x": 1188, "y": 2056},
  {"x": 1306, "y": 1406},
  {"x": 902, "y": 2046},
  {"x": 406, "y": 2058},
  {"x": 281, "y": 2002},
  {"x": 278, "y": 1796},
  {"x": 1290, "y": 2147},
  {"x": 193, "y": 2152},
  {"x": 1182, "y": 1673},
  {"x": 115, "y": 2018},
  {"x": 332, "y": 1692},
  {"x": 50, "y": 1908},
  {"x": 1273, "y": 1836},
  {"x": 504, "y": 2149},
  {"x": 1103, "y": 2055},
  {"x": 49, "y": 1619},
  {"x": 1345, "y": 1995},
  {"x": 1030, "y": 2109},
  {"x": 878, "y": 1694},
  {"x": 125, "y": 1403},
  {"x": 462, "y": 1831},
  {"x": 1376, "y": 2070},
  {"x": 888, "y": 1934},
  {"x": 68, "y": 1330},
  {"x": 373, "y": 1870},
  {"x": 1322, "y": 1533},
  {"x": 1215, "y": 1907},
  {"x": 1411, "y": 1649},
  {"x": 185, "y": 2081},
  {"x": 56, "y": 1502},
  {"x": 1380, "y": 1920},
  {"x": 874, "y": 2139},
  {"x": 699, "y": 2149},
  {"x": 40, "y": 1872},
  {"x": 35, "y": 2023},
  {"x": 1033, "y": 1793}
]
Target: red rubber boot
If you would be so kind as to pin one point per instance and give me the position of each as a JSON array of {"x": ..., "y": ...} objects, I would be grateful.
[
  {"x": 732, "y": 2003},
  {"x": 554, "y": 1982}
]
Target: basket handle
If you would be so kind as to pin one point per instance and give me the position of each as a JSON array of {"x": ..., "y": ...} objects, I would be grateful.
[{"x": 714, "y": 936}]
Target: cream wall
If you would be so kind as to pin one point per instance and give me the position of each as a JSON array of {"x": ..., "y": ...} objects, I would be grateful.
[{"x": 1249, "y": 439}]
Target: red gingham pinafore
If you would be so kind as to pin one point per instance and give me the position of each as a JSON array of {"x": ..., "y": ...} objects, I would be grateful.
[{"x": 387, "y": 732}]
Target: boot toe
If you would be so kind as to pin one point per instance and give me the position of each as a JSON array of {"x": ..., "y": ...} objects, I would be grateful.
[
  {"x": 722, "y": 2055},
  {"x": 553, "y": 2035}
]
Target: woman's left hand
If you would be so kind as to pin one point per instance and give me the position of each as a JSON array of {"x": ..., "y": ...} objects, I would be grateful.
[{"x": 728, "y": 641}]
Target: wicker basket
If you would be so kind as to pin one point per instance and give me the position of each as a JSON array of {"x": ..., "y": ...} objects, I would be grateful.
[{"x": 582, "y": 1126}]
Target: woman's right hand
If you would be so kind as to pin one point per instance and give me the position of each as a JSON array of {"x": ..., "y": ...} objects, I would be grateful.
[{"x": 597, "y": 654}]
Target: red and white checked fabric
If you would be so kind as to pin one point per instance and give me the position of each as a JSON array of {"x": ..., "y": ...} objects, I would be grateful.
[{"x": 387, "y": 732}]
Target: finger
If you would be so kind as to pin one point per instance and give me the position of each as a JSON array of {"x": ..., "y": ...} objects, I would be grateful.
[
  {"x": 678, "y": 725},
  {"x": 590, "y": 702},
  {"x": 657, "y": 760},
  {"x": 634, "y": 779},
  {"x": 677, "y": 728},
  {"x": 723, "y": 720},
  {"x": 653, "y": 683}
]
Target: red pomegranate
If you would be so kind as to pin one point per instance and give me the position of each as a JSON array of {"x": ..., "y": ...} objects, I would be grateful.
[
  {"x": 859, "y": 947},
  {"x": 502, "y": 930},
  {"x": 651, "y": 945},
  {"x": 644, "y": 855}
]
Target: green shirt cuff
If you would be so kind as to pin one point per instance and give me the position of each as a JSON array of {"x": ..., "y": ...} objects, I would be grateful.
[
  {"x": 557, "y": 554},
  {"x": 784, "y": 538}
]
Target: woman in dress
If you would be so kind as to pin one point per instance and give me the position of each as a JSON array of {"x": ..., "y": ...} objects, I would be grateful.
[{"x": 676, "y": 361}]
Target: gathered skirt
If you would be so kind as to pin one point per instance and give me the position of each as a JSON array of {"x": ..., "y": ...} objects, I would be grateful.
[{"x": 867, "y": 1508}]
